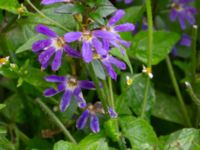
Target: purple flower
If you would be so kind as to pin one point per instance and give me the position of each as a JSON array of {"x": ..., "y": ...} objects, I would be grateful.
[
  {"x": 50, "y": 46},
  {"x": 112, "y": 112},
  {"x": 183, "y": 11},
  {"x": 90, "y": 41},
  {"x": 94, "y": 121},
  {"x": 115, "y": 29},
  {"x": 48, "y": 2},
  {"x": 71, "y": 87},
  {"x": 126, "y": 1},
  {"x": 185, "y": 41}
]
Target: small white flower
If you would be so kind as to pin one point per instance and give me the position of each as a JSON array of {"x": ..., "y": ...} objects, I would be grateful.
[
  {"x": 148, "y": 71},
  {"x": 4, "y": 60},
  {"x": 129, "y": 81}
]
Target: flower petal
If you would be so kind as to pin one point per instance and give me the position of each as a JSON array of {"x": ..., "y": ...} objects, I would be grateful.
[
  {"x": 46, "y": 55},
  {"x": 55, "y": 78},
  {"x": 85, "y": 84},
  {"x": 72, "y": 36},
  {"x": 110, "y": 70},
  {"x": 173, "y": 15},
  {"x": 98, "y": 46},
  {"x": 120, "y": 64},
  {"x": 48, "y": 2},
  {"x": 104, "y": 34},
  {"x": 82, "y": 120},
  {"x": 50, "y": 92},
  {"x": 117, "y": 16},
  {"x": 79, "y": 98},
  {"x": 57, "y": 60},
  {"x": 65, "y": 101},
  {"x": 186, "y": 40},
  {"x": 182, "y": 21},
  {"x": 72, "y": 52},
  {"x": 94, "y": 123},
  {"x": 87, "y": 52},
  {"x": 41, "y": 44},
  {"x": 112, "y": 112},
  {"x": 125, "y": 27},
  {"x": 45, "y": 30}
]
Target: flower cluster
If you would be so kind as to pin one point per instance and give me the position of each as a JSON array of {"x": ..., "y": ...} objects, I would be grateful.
[
  {"x": 95, "y": 44},
  {"x": 183, "y": 11}
]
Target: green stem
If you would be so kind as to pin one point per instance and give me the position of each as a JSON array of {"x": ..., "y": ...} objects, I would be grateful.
[
  {"x": 178, "y": 93},
  {"x": 111, "y": 93},
  {"x": 149, "y": 52},
  {"x": 46, "y": 17},
  {"x": 99, "y": 90},
  {"x": 56, "y": 120},
  {"x": 23, "y": 136},
  {"x": 194, "y": 54}
]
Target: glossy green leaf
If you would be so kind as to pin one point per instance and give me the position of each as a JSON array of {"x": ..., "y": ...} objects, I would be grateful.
[
  {"x": 186, "y": 139},
  {"x": 64, "y": 145},
  {"x": 133, "y": 95},
  {"x": 111, "y": 130},
  {"x": 94, "y": 142},
  {"x": 2, "y": 106},
  {"x": 167, "y": 108},
  {"x": 98, "y": 69},
  {"x": 163, "y": 44},
  {"x": 105, "y": 8},
  {"x": 70, "y": 9},
  {"x": 9, "y": 5},
  {"x": 139, "y": 133}
]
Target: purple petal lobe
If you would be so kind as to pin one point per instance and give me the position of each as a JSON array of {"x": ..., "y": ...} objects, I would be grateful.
[
  {"x": 104, "y": 34},
  {"x": 57, "y": 60},
  {"x": 45, "y": 30},
  {"x": 117, "y": 16},
  {"x": 85, "y": 84},
  {"x": 72, "y": 36},
  {"x": 46, "y": 55},
  {"x": 55, "y": 78},
  {"x": 120, "y": 64},
  {"x": 65, "y": 101},
  {"x": 125, "y": 27},
  {"x": 87, "y": 52},
  {"x": 50, "y": 92},
  {"x": 112, "y": 113},
  {"x": 94, "y": 124},
  {"x": 41, "y": 44},
  {"x": 72, "y": 52},
  {"x": 98, "y": 46},
  {"x": 82, "y": 120},
  {"x": 48, "y": 2},
  {"x": 79, "y": 98},
  {"x": 110, "y": 70},
  {"x": 186, "y": 40}
]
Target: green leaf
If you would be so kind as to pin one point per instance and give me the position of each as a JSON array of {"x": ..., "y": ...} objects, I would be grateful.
[
  {"x": 163, "y": 44},
  {"x": 139, "y": 133},
  {"x": 9, "y": 5},
  {"x": 186, "y": 139},
  {"x": 111, "y": 130},
  {"x": 133, "y": 95},
  {"x": 133, "y": 14},
  {"x": 5, "y": 144},
  {"x": 97, "y": 17},
  {"x": 105, "y": 8},
  {"x": 2, "y": 106},
  {"x": 70, "y": 9},
  {"x": 28, "y": 44},
  {"x": 167, "y": 108},
  {"x": 64, "y": 145},
  {"x": 98, "y": 69},
  {"x": 94, "y": 142}
]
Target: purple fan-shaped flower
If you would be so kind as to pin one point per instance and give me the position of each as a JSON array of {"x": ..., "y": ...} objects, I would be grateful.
[
  {"x": 90, "y": 40},
  {"x": 71, "y": 87},
  {"x": 115, "y": 29},
  {"x": 126, "y": 1},
  {"x": 53, "y": 45},
  {"x": 181, "y": 10},
  {"x": 94, "y": 121}
]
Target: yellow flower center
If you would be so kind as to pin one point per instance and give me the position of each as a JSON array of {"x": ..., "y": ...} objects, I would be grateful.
[
  {"x": 87, "y": 36},
  {"x": 96, "y": 56},
  {"x": 176, "y": 6},
  {"x": 3, "y": 60},
  {"x": 129, "y": 81},
  {"x": 59, "y": 43},
  {"x": 148, "y": 70},
  {"x": 72, "y": 82}
]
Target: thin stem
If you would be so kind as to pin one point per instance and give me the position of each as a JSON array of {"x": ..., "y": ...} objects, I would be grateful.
[
  {"x": 46, "y": 17},
  {"x": 194, "y": 54},
  {"x": 150, "y": 32},
  {"x": 56, "y": 120},
  {"x": 178, "y": 93},
  {"x": 111, "y": 93},
  {"x": 149, "y": 52},
  {"x": 98, "y": 88}
]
